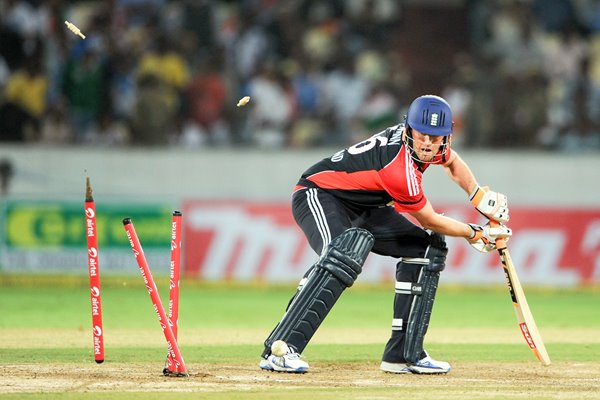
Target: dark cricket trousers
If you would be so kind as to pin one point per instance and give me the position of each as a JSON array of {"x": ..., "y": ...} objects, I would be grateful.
[{"x": 322, "y": 217}]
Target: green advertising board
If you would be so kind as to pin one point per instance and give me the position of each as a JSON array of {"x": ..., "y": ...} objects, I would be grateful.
[
  {"x": 35, "y": 235},
  {"x": 36, "y": 225}
]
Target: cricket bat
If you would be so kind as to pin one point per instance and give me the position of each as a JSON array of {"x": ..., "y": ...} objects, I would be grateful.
[{"x": 524, "y": 317}]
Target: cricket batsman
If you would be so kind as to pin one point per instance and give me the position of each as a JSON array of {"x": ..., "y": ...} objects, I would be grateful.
[{"x": 353, "y": 203}]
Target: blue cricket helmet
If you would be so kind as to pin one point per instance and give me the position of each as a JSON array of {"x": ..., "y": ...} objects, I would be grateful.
[{"x": 431, "y": 115}]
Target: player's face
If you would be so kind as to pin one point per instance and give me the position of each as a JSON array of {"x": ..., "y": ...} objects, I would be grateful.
[{"x": 426, "y": 146}]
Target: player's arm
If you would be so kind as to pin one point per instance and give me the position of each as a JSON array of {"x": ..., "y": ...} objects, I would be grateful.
[
  {"x": 429, "y": 219},
  {"x": 482, "y": 238},
  {"x": 492, "y": 205}
]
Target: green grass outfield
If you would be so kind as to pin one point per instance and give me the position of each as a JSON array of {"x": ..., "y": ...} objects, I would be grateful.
[{"x": 46, "y": 352}]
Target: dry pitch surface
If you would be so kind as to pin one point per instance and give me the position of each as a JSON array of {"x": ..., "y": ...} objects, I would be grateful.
[
  {"x": 472, "y": 380},
  {"x": 481, "y": 380}
]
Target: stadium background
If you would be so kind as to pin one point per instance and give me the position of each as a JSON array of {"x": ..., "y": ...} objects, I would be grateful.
[{"x": 146, "y": 106}]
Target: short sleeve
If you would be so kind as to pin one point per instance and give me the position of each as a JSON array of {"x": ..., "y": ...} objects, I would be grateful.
[{"x": 401, "y": 206}]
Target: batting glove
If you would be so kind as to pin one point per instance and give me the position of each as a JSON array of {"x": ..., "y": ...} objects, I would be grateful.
[
  {"x": 492, "y": 205},
  {"x": 484, "y": 237}
]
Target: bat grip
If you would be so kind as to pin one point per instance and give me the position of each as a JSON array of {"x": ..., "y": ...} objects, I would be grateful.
[{"x": 500, "y": 242}]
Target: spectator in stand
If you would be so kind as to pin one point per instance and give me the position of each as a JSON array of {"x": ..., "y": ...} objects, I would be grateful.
[
  {"x": 25, "y": 103},
  {"x": 345, "y": 93},
  {"x": 307, "y": 129},
  {"x": 206, "y": 102},
  {"x": 378, "y": 111},
  {"x": 85, "y": 87},
  {"x": 162, "y": 77},
  {"x": 564, "y": 57},
  {"x": 271, "y": 111},
  {"x": 123, "y": 87},
  {"x": 380, "y": 108},
  {"x": 250, "y": 49}
]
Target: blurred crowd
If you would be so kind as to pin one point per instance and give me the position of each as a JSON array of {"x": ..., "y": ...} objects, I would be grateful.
[{"x": 521, "y": 74}]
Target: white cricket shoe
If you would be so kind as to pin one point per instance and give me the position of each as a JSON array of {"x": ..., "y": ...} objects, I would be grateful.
[
  {"x": 395, "y": 368},
  {"x": 426, "y": 365},
  {"x": 265, "y": 364},
  {"x": 289, "y": 362}
]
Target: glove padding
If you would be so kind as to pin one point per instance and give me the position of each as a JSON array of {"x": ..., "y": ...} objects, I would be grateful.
[
  {"x": 492, "y": 205},
  {"x": 484, "y": 238}
]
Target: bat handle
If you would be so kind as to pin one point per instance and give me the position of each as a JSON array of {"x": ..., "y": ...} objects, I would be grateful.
[{"x": 500, "y": 242}]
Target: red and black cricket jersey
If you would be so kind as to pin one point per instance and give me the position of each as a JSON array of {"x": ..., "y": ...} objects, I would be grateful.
[{"x": 373, "y": 173}]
